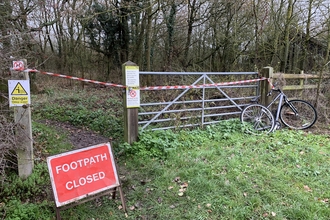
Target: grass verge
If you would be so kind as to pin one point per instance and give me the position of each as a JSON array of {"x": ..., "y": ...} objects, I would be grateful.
[{"x": 235, "y": 176}]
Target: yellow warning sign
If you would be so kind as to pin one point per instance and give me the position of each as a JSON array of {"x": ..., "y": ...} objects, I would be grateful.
[{"x": 19, "y": 90}]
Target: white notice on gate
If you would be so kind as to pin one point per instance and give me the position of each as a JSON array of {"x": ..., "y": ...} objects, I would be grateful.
[
  {"x": 132, "y": 76},
  {"x": 132, "y": 87}
]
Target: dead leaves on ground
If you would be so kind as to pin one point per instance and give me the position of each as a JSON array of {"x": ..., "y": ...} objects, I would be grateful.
[
  {"x": 180, "y": 186},
  {"x": 307, "y": 189},
  {"x": 183, "y": 186},
  {"x": 269, "y": 214},
  {"x": 324, "y": 200}
]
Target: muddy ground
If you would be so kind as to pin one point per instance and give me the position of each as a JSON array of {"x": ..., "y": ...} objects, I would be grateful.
[{"x": 78, "y": 137}]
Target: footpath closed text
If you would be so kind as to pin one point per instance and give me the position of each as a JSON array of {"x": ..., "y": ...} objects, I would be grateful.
[{"x": 82, "y": 164}]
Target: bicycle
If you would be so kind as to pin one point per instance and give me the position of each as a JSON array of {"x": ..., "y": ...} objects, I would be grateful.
[{"x": 295, "y": 114}]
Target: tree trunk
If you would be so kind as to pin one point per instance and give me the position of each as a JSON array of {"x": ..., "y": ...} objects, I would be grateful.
[
  {"x": 305, "y": 41},
  {"x": 286, "y": 41},
  {"x": 191, "y": 18}
]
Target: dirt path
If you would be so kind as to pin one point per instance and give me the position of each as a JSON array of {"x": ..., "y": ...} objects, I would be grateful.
[{"x": 78, "y": 137}]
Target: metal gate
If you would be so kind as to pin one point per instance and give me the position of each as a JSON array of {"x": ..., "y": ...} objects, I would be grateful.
[{"x": 201, "y": 98}]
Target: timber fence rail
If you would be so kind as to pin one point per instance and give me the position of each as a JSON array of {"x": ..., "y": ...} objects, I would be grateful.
[{"x": 302, "y": 80}]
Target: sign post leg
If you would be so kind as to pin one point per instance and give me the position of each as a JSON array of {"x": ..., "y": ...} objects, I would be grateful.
[
  {"x": 122, "y": 198},
  {"x": 58, "y": 214},
  {"x": 22, "y": 115}
]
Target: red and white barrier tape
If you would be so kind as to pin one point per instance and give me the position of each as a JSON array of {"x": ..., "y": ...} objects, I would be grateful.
[
  {"x": 75, "y": 78},
  {"x": 270, "y": 83},
  {"x": 149, "y": 87}
]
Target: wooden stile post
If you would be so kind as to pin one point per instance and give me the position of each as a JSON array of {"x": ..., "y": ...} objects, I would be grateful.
[
  {"x": 22, "y": 116},
  {"x": 265, "y": 87},
  {"x": 131, "y": 101},
  {"x": 301, "y": 83}
]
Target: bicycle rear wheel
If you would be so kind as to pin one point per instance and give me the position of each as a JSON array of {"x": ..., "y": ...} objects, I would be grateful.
[
  {"x": 306, "y": 114},
  {"x": 258, "y": 119}
]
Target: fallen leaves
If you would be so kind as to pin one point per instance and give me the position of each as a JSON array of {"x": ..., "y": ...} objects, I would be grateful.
[
  {"x": 132, "y": 208},
  {"x": 177, "y": 179},
  {"x": 183, "y": 186},
  {"x": 324, "y": 200},
  {"x": 267, "y": 214},
  {"x": 143, "y": 182},
  {"x": 180, "y": 194},
  {"x": 307, "y": 189}
]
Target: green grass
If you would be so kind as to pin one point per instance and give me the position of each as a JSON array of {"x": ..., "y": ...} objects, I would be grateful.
[
  {"x": 218, "y": 172},
  {"x": 281, "y": 176}
]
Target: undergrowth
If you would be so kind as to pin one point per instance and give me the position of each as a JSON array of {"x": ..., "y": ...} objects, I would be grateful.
[
  {"x": 100, "y": 114},
  {"x": 29, "y": 198},
  {"x": 159, "y": 143}
]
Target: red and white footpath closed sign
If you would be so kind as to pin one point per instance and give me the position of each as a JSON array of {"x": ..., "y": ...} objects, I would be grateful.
[{"x": 77, "y": 174}]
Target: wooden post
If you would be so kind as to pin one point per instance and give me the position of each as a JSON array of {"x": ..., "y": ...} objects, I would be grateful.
[
  {"x": 22, "y": 116},
  {"x": 265, "y": 87},
  {"x": 131, "y": 101},
  {"x": 301, "y": 84}
]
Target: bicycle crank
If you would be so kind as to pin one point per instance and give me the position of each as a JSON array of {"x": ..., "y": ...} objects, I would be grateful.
[{"x": 278, "y": 125}]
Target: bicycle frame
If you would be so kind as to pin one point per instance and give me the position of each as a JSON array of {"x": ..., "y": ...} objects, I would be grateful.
[{"x": 281, "y": 97}]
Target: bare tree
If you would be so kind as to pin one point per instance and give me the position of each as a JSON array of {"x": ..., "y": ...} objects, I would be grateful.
[{"x": 286, "y": 35}]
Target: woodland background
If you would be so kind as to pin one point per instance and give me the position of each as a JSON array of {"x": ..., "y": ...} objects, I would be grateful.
[
  {"x": 76, "y": 37},
  {"x": 93, "y": 38}
]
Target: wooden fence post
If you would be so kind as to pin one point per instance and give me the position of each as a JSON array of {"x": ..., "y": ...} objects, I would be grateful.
[
  {"x": 131, "y": 101},
  {"x": 22, "y": 116},
  {"x": 265, "y": 87}
]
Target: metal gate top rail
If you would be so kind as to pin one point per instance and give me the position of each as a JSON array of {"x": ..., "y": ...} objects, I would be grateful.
[{"x": 197, "y": 73}]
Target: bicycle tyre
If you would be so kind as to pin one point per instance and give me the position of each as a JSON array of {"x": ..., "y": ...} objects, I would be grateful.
[
  {"x": 257, "y": 119},
  {"x": 306, "y": 117}
]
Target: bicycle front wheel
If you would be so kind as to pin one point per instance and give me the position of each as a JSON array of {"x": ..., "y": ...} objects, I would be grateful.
[
  {"x": 257, "y": 119},
  {"x": 298, "y": 114}
]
